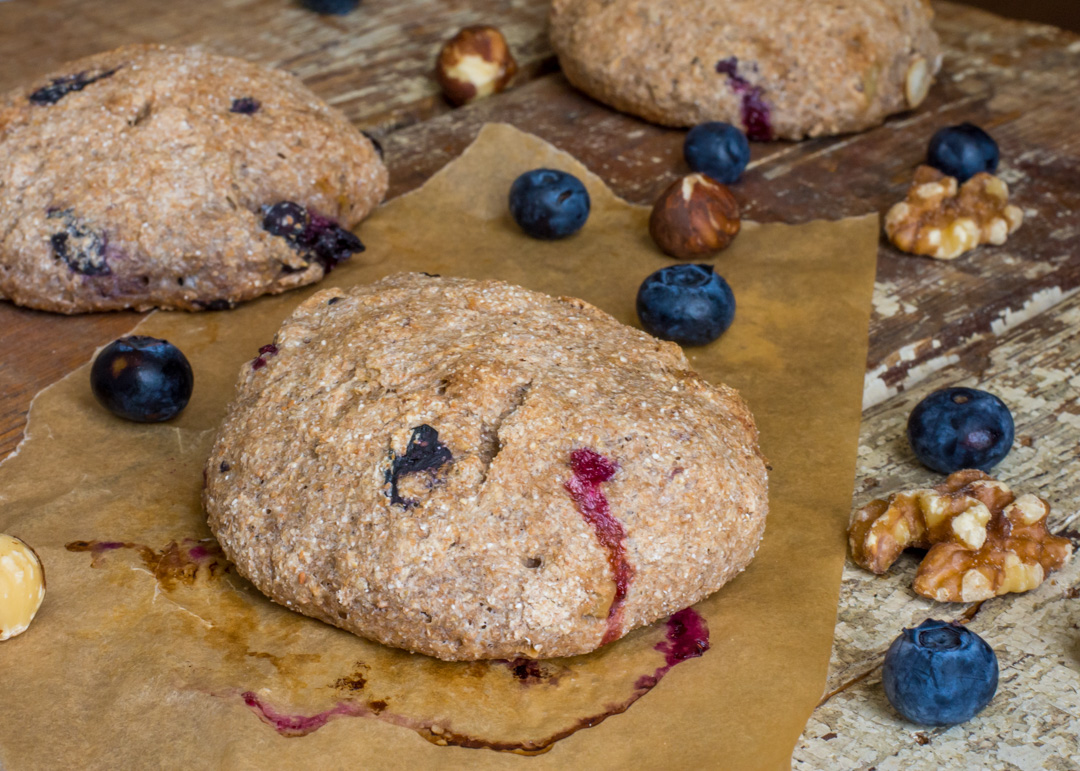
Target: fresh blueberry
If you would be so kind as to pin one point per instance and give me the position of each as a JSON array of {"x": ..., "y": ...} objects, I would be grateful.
[
  {"x": 338, "y": 7},
  {"x": 549, "y": 204},
  {"x": 959, "y": 428},
  {"x": 690, "y": 304},
  {"x": 963, "y": 151},
  {"x": 142, "y": 379},
  {"x": 939, "y": 673},
  {"x": 717, "y": 149}
]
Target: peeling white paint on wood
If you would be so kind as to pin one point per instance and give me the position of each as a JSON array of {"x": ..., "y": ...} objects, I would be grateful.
[
  {"x": 1033, "y": 723},
  {"x": 1041, "y": 301}
]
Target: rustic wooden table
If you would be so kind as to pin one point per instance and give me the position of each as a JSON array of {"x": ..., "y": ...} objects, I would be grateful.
[{"x": 1006, "y": 319}]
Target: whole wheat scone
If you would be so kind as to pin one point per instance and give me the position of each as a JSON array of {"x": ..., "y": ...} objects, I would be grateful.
[
  {"x": 140, "y": 178},
  {"x": 473, "y": 470},
  {"x": 779, "y": 69}
]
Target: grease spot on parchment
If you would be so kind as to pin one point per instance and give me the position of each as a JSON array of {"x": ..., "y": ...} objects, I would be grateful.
[
  {"x": 178, "y": 562},
  {"x": 297, "y": 675}
]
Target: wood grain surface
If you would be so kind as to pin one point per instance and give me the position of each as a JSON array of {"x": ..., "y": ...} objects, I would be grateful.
[
  {"x": 1034, "y": 721},
  {"x": 1003, "y": 317}
]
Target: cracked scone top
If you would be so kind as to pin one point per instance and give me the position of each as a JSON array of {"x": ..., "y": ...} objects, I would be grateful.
[
  {"x": 473, "y": 470},
  {"x": 138, "y": 178},
  {"x": 777, "y": 68}
]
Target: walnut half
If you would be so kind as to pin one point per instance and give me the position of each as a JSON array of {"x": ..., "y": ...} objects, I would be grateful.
[
  {"x": 938, "y": 219},
  {"x": 983, "y": 540}
]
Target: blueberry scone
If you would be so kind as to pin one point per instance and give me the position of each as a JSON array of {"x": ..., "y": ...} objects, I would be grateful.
[
  {"x": 472, "y": 470},
  {"x": 163, "y": 177},
  {"x": 778, "y": 69}
]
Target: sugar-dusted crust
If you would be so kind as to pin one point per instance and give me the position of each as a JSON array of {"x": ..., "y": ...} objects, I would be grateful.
[
  {"x": 488, "y": 552},
  {"x": 156, "y": 180},
  {"x": 816, "y": 67}
]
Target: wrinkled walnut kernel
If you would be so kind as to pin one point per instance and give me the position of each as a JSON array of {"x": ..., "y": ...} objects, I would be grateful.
[
  {"x": 938, "y": 219},
  {"x": 983, "y": 541}
]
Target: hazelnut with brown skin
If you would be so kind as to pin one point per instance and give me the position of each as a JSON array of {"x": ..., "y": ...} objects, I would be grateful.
[
  {"x": 474, "y": 63},
  {"x": 696, "y": 216}
]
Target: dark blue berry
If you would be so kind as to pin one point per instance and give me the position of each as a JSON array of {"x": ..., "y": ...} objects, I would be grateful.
[
  {"x": 80, "y": 247},
  {"x": 549, "y": 204},
  {"x": 424, "y": 453},
  {"x": 718, "y": 150},
  {"x": 963, "y": 151},
  {"x": 318, "y": 238},
  {"x": 960, "y": 428},
  {"x": 286, "y": 219},
  {"x": 142, "y": 379},
  {"x": 690, "y": 304},
  {"x": 245, "y": 105},
  {"x": 329, "y": 242},
  {"x": 939, "y": 673},
  {"x": 61, "y": 87},
  {"x": 338, "y": 7}
]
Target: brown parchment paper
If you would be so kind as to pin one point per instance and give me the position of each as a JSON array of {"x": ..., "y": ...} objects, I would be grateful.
[{"x": 150, "y": 652}]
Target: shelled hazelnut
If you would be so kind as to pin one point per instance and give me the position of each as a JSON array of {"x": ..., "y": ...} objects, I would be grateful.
[
  {"x": 474, "y": 63},
  {"x": 22, "y": 586}
]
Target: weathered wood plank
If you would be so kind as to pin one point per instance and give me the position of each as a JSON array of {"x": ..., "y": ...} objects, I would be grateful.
[
  {"x": 374, "y": 64},
  {"x": 1034, "y": 721}
]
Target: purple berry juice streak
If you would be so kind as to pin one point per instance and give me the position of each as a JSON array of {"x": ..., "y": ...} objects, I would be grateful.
[
  {"x": 265, "y": 351},
  {"x": 687, "y": 638},
  {"x": 299, "y": 725},
  {"x": 755, "y": 112},
  {"x": 590, "y": 469}
]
